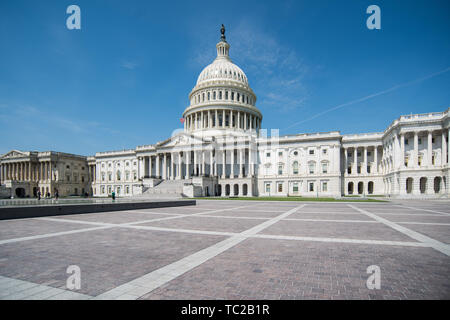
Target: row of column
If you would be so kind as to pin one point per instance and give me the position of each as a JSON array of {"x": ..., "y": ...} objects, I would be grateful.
[
  {"x": 197, "y": 164},
  {"x": 395, "y": 154},
  {"x": 26, "y": 171},
  {"x": 221, "y": 119},
  {"x": 365, "y": 161}
]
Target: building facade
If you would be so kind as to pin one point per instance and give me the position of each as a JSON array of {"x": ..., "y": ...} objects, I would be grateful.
[{"x": 223, "y": 151}]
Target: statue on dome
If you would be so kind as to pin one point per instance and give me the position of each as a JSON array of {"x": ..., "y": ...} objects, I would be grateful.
[{"x": 222, "y": 31}]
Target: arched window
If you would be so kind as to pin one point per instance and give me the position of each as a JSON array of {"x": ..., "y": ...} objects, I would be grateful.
[
  {"x": 232, "y": 95},
  {"x": 237, "y": 97},
  {"x": 220, "y": 95},
  {"x": 214, "y": 95},
  {"x": 203, "y": 97},
  {"x": 226, "y": 95},
  {"x": 209, "y": 96},
  {"x": 118, "y": 175},
  {"x": 295, "y": 167}
]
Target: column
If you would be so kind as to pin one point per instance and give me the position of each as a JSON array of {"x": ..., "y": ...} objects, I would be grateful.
[
  {"x": 41, "y": 171},
  {"x": 375, "y": 159},
  {"x": 448, "y": 148},
  {"x": 245, "y": 121},
  {"x": 231, "y": 119},
  {"x": 202, "y": 119},
  {"x": 252, "y": 162},
  {"x": 224, "y": 158},
  {"x": 203, "y": 162},
  {"x": 240, "y": 164},
  {"x": 239, "y": 120},
  {"x": 443, "y": 149},
  {"x": 365, "y": 161},
  {"x": 179, "y": 165},
  {"x": 232, "y": 163},
  {"x": 430, "y": 148},
  {"x": 211, "y": 163},
  {"x": 188, "y": 164},
  {"x": 416, "y": 150},
  {"x": 149, "y": 168},
  {"x": 355, "y": 160},
  {"x": 164, "y": 168},
  {"x": 217, "y": 119},
  {"x": 345, "y": 161},
  {"x": 209, "y": 119},
  {"x": 158, "y": 166},
  {"x": 223, "y": 119},
  {"x": 402, "y": 150}
]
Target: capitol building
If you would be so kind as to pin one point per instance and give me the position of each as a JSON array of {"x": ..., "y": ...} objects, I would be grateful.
[{"x": 224, "y": 151}]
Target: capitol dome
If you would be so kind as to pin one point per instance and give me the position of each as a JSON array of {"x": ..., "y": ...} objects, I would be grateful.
[{"x": 222, "y": 97}]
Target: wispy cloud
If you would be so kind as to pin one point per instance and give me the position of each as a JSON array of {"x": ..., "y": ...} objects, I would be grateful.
[
  {"x": 129, "y": 65},
  {"x": 274, "y": 69},
  {"x": 370, "y": 96}
]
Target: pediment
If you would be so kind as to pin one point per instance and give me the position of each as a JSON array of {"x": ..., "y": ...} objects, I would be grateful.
[
  {"x": 14, "y": 154},
  {"x": 181, "y": 139}
]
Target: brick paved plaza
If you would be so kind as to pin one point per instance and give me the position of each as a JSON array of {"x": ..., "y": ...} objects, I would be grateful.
[{"x": 223, "y": 249}]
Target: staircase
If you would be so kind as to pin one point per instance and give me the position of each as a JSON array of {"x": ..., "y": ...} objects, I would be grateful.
[{"x": 166, "y": 189}]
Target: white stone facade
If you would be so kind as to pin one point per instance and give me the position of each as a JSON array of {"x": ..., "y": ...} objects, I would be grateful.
[{"x": 223, "y": 151}]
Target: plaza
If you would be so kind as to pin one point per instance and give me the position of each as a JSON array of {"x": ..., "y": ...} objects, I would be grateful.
[{"x": 225, "y": 249}]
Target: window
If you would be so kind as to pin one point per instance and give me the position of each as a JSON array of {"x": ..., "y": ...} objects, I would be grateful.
[
  {"x": 127, "y": 175},
  {"x": 432, "y": 159},
  {"x": 82, "y": 178},
  {"x": 324, "y": 167},
  {"x": 325, "y": 151},
  {"x": 134, "y": 175},
  {"x": 324, "y": 186},
  {"x": 419, "y": 160},
  {"x": 280, "y": 169},
  {"x": 67, "y": 167},
  {"x": 226, "y": 95},
  {"x": 406, "y": 141},
  {"x": 268, "y": 154},
  {"x": 280, "y": 187},
  {"x": 267, "y": 187},
  {"x": 295, "y": 187},
  {"x": 214, "y": 95},
  {"x": 109, "y": 176},
  {"x": 109, "y": 189},
  {"x": 127, "y": 164},
  {"x": 127, "y": 189},
  {"x": 311, "y": 151},
  {"x": 311, "y": 186},
  {"x": 420, "y": 140},
  {"x": 102, "y": 189},
  {"x": 280, "y": 153},
  {"x": 220, "y": 95},
  {"x": 312, "y": 167},
  {"x": 295, "y": 167},
  {"x": 359, "y": 154},
  {"x": 369, "y": 153},
  {"x": 295, "y": 153},
  {"x": 103, "y": 176},
  {"x": 118, "y": 175},
  {"x": 68, "y": 177},
  {"x": 432, "y": 140}
]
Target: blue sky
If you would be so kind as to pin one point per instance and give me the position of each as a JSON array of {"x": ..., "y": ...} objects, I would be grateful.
[{"x": 123, "y": 80}]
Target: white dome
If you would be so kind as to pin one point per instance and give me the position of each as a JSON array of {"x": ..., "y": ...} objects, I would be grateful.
[{"x": 222, "y": 69}]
